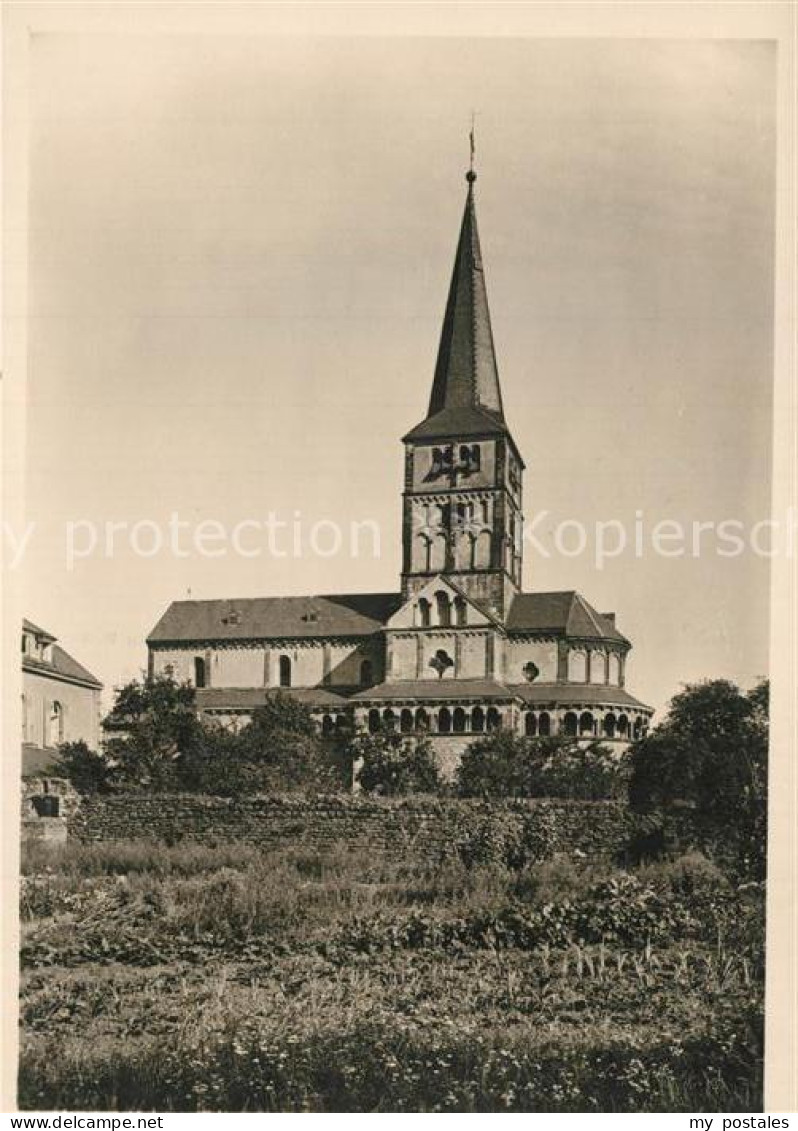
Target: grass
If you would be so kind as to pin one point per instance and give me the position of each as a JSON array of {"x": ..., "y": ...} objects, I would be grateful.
[{"x": 222, "y": 978}]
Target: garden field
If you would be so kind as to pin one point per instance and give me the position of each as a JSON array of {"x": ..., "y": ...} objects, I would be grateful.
[{"x": 226, "y": 978}]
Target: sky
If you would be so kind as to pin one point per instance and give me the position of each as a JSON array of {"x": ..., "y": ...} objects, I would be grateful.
[{"x": 239, "y": 254}]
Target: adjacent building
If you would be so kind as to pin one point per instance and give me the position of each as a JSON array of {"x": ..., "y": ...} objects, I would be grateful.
[
  {"x": 458, "y": 649},
  {"x": 60, "y": 699}
]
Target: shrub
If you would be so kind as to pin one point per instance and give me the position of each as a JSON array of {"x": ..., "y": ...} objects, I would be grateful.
[
  {"x": 394, "y": 764},
  {"x": 508, "y": 765}
]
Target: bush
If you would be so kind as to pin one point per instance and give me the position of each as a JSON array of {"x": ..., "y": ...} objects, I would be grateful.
[
  {"x": 508, "y": 765},
  {"x": 394, "y": 765}
]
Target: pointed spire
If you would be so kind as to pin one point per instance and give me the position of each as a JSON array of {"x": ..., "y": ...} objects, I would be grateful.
[{"x": 466, "y": 375}]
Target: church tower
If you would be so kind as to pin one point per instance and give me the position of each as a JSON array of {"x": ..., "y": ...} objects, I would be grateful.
[{"x": 462, "y": 499}]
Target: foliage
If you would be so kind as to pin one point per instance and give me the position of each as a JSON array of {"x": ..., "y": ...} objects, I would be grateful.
[
  {"x": 88, "y": 770},
  {"x": 394, "y": 764},
  {"x": 189, "y": 978},
  {"x": 153, "y": 725},
  {"x": 711, "y": 752},
  {"x": 504, "y": 764}
]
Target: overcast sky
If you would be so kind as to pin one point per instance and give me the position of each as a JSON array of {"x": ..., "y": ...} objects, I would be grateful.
[{"x": 240, "y": 249}]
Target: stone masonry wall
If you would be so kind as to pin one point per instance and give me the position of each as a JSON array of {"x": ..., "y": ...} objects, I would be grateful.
[{"x": 588, "y": 831}]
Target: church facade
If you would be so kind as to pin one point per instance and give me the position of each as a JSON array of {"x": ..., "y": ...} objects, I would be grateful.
[{"x": 459, "y": 649}]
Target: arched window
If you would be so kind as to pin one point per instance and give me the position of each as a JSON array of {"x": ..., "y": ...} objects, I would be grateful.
[
  {"x": 425, "y": 552},
  {"x": 443, "y": 608},
  {"x": 459, "y": 720},
  {"x": 424, "y": 610},
  {"x": 327, "y": 725},
  {"x": 374, "y": 721},
  {"x": 444, "y": 720},
  {"x": 285, "y": 671},
  {"x": 586, "y": 723},
  {"x": 199, "y": 671},
  {"x": 477, "y": 720},
  {"x": 493, "y": 719},
  {"x": 530, "y": 724},
  {"x": 570, "y": 724},
  {"x": 422, "y": 719},
  {"x": 56, "y": 727},
  {"x": 544, "y": 724},
  {"x": 367, "y": 673},
  {"x": 460, "y": 611},
  {"x": 388, "y": 719},
  {"x": 482, "y": 551},
  {"x": 637, "y": 731},
  {"x": 614, "y": 676},
  {"x": 623, "y": 726},
  {"x": 406, "y": 720},
  {"x": 608, "y": 726}
]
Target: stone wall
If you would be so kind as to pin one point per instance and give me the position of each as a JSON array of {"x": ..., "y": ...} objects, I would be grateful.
[{"x": 586, "y": 831}]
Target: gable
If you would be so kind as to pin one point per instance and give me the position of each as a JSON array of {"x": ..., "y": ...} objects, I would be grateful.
[{"x": 446, "y": 606}]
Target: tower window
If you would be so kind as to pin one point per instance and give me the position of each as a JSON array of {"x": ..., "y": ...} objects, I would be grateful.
[
  {"x": 443, "y": 608},
  {"x": 285, "y": 671},
  {"x": 199, "y": 672}
]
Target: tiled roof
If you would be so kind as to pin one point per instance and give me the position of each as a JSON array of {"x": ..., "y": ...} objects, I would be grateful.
[
  {"x": 247, "y": 698},
  {"x": 436, "y": 689},
  {"x": 562, "y": 694},
  {"x": 566, "y": 613},
  {"x": 62, "y": 665},
  {"x": 264, "y": 618}
]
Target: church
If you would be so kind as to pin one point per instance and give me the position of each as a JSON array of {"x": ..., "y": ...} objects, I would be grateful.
[{"x": 459, "y": 649}]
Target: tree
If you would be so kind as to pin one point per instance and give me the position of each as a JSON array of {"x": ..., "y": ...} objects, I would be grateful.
[
  {"x": 153, "y": 727},
  {"x": 88, "y": 770},
  {"x": 504, "y": 764},
  {"x": 711, "y": 752},
  {"x": 281, "y": 747},
  {"x": 394, "y": 764}
]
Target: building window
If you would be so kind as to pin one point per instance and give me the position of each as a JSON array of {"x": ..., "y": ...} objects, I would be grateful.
[
  {"x": 477, "y": 720},
  {"x": 459, "y": 720},
  {"x": 389, "y": 719},
  {"x": 199, "y": 672},
  {"x": 406, "y": 720},
  {"x": 530, "y": 725},
  {"x": 47, "y": 805},
  {"x": 367, "y": 673},
  {"x": 443, "y": 608},
  {"x": 444, "y": 721},
  {"x": 374, "y": 721},
  {"x": 609, "y": 725},
  {"x": 493, "y": 719},
  {"x": 570, "y": 724},
  {"x": 422, "y": 719},
  {"x": 441, "y": 662},
  {"x": 623, "y": 726},
  {"x": 424, "y": 610},
  {"x": 586, "y": 723},
  {"x": 55, "y": 730},
  {"x": 460, "y": 612},
  {"x": 327, "y": 725},
  {"x": 544, "y": 724},
  {"x": 285, "y": 671}
]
